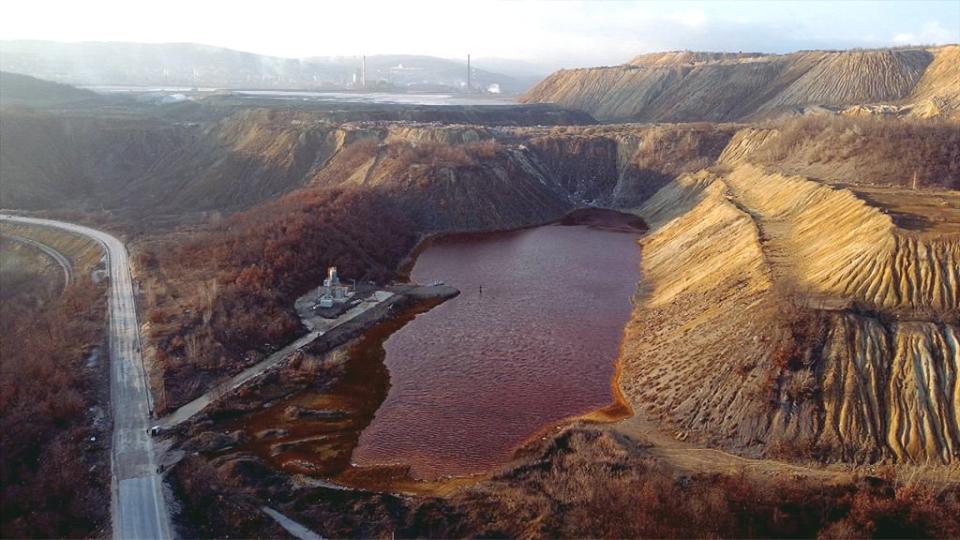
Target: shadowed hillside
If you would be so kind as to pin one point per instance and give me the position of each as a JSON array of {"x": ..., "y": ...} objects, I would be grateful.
[
  {"x": 176, "y": 159},
  {"x": 16, "y": 89}
]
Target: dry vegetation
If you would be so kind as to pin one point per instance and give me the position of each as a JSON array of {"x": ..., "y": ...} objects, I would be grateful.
[
  {"x": 222, "y": 297},
  {"x": 586, "y": 482},
  {"x": 27, "y": 276},
  {"x": 443, "y": 155},
  {"x": 583, "y": 482},
  {"x": 866, "y": 150},
  {"x": 54, "y": 465}
]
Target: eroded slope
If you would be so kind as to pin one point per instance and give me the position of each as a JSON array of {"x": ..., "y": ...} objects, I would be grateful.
[
  {"x": 688, "y": 86},
  {"x": 786, "y": 317}
]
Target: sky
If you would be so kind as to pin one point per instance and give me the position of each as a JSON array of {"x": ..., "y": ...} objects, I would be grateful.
[{"x": 549, "y": 34}]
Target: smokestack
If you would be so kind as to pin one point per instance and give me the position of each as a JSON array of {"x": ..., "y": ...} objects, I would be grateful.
[
  {"x": 468, "y": 72},
  {"x": 363, "y": 71}
]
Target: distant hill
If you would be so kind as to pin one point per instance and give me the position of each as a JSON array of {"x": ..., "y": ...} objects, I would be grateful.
[
  {"x": 192, "y": 65},
  {"x": 685, "y": 86},
  {"x": 17, "y": 89},
  {"x": 417, "y": 71}
]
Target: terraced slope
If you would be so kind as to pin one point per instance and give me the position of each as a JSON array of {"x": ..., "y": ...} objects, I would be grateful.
[
  {"x": 688, "y": 86},
  {"x": 789, "y": 318},
  {"x": 842, "y": 247}
]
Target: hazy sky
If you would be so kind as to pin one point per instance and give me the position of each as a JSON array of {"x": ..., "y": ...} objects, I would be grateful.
[{"x": 554, "y": 34}]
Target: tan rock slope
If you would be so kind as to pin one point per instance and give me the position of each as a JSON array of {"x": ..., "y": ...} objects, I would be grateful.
[
  {"x": 688, "y": 86},
  {"x": 786, "y": 317}
]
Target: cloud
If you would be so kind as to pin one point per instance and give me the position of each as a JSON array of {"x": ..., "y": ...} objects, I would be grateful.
[
  {"x": 691, "y": 18},
  {"x": 931, "y": 32},
  {"x": 552, "y": 34}
]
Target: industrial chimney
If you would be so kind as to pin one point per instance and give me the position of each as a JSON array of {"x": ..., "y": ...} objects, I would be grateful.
[
  {"x": 363, "y": 71},
  {"x": 468, "y": 72}
]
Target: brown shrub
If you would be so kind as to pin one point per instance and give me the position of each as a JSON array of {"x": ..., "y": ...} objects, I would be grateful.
[
  {"x": 868, "y": 150},
  {"x": 215, "y": 510},
  {"x": 54, "y": 481},
  {"x": 253, "y": 266}
]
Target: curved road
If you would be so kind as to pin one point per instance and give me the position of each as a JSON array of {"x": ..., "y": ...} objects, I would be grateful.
[
  {"x": 137, "y": 506},
  {"x": 57, "y": 257}
]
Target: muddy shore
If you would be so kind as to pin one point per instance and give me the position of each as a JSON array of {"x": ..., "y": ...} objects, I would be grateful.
[{"x": 304, "y": 416}]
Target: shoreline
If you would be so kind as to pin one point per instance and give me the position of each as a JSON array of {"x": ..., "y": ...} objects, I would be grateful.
[
  {"x": 616, "y": 410},
  {"x": 586, "y": 216},
  {"x": 414, "y": 299}
]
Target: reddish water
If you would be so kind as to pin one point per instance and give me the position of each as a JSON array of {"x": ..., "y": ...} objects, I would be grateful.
[{"x": 475, "y": 376}]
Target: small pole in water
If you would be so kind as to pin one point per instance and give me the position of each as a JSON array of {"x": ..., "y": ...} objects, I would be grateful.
[{"x": 481, "y": 289}]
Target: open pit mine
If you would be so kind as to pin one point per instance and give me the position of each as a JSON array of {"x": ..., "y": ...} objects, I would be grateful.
[{"x": 697, "y": 294}]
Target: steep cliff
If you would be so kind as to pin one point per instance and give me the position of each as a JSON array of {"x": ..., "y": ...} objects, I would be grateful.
[{"x": 622, "y": 166}]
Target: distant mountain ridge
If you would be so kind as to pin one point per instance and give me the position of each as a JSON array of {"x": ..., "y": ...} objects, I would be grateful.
[
  {"x": 686, "y": 86},
  {"x": 193, "y": 65},
  {"x": 16, "y": 89}
]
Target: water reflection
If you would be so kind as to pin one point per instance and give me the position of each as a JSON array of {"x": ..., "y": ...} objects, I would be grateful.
[{"x": 473, "y": 377}]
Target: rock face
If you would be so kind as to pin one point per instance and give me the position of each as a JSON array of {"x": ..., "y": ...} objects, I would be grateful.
[
  {"x": 461, "y": 177},
  {"x": 515, "y": 175},
  {"x": 938, "y": 91},
  {"x": 785, "y": 317},
  {"x": 691, "y": 87},
  {"x": 696, "y": 351},
  {"x": 622, "y": 166}
]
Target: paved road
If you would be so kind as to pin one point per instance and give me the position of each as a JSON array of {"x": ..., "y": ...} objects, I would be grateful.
[
  {"x": 137, "y": 506},
  {"x": 57, "y": 257}
]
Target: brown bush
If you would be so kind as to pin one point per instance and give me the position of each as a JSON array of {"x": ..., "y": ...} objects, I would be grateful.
[
  {"x": 256, "y": 263},
  {"x": 587, "y": 483},
  {"x": 214, "y": 509},
  {"x": 406, "y": 154},
  {"x": 910, "y": 511},
  {"x": 54, "y": 480},
  {"x": 867, "y": 150}
]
